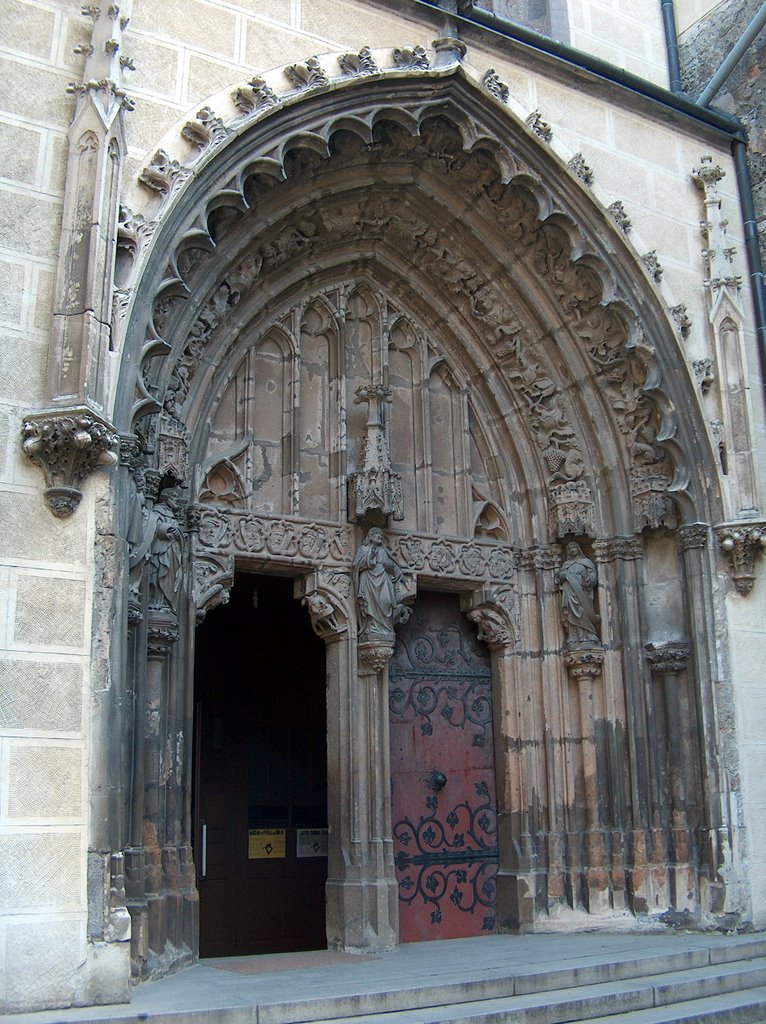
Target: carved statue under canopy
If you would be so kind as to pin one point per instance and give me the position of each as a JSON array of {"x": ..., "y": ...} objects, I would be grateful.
[
  {"x": 578, "y": 579},
  {"x": 162, "y": 548}
]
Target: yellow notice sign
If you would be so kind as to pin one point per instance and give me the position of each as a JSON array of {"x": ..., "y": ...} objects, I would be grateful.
[{"x": 265, "y": 843}]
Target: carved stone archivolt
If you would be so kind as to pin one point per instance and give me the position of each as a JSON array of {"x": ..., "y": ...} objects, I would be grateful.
[{"x": 607, "y": 331}]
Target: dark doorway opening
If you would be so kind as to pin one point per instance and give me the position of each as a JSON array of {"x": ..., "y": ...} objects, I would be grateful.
[{"x": 261, "y": 773}]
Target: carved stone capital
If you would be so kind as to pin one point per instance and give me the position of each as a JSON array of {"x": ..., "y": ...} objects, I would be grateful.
[
  {"x": 578, "y": 166},
  {"x": 160, "y": 638},
  {"x": 449, "y": 50},
  {"x": 163, "y": 174},
  {"x": 374, "y": 655},
  {"x": 68, "y": 446},
  {"x": 411, "y": 58},
  {"x": 621, "y": 219},
  {"x": 571, "y": 510},
  {"x": 583, "y": 662},
  {"x": 624, "y": 548},
  {"x": 668, "y": 659},
  {"x": 653, "y": 507},
  {"x": 694, "y": 535},
  {"x": 541, "y": 558},
  {"x": 362, "y": 63},
  {"x": 742, "y": 544},
  {"x": 308, "y": 74},
  {"x": 255, "y": 96},
  {"x": 653, "y": 265}
]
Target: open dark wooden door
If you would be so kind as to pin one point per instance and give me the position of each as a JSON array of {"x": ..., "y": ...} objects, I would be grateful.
[
  {"x": 261, "y": 796},
  {"x": 443, "y": 775}
]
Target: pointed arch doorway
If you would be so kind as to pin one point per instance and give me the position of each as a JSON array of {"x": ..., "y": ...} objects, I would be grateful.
[
  {"x": 261, "y": 778},
  {"x": 520, "y": 363}
]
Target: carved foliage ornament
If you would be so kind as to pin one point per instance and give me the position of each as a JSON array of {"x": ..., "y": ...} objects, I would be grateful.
[
  {"x": 743, "y": 543},
  {"x": 68, "y": 447}
]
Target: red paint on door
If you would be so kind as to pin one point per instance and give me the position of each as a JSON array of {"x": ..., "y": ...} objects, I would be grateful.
[{"x": 442, "y": 774}]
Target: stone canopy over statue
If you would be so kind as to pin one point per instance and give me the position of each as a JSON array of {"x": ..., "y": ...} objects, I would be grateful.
[
  {"x": 577, "y": 579},
  {"x": 377, "y": 583}
]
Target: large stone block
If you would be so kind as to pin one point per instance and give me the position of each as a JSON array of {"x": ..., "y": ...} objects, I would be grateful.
[
  {"x": 43, "y": 299},
  {"x": 207, "y": 26},
  {"x": 267, "y": 47},
  {"x": 30, "y": 533},
  {"x": 20, "y": 148},
  {"x": 157, "y": 68},
  {"x": 29, "y": 224},
  {"x": 27, "y": 28},
  {"x": 41, "y": 869},
  {"x": 11, "y": 290},
  {"x": 44, "y": 781},
  {"x": 44, "y": 696},
  {"x": 22, "y": 367},
  {"x": 352, "y": 24},
  {"x": 50, "y": 612},
  {"x": 36, "y": 93},
  {"x": 41, "y": 963},
  {"x": 210, "y": 76}
]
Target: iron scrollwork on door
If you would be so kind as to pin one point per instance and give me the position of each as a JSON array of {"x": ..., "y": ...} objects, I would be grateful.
[
  {"x": 455, "y": 858},
  {"x": 454, "y": 684}
]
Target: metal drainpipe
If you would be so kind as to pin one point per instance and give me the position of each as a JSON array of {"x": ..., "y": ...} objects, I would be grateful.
[
  {"x": 733, "y": 58},
  {"x": 753, "y": 251},
  {"x": 671, "y": 43}
]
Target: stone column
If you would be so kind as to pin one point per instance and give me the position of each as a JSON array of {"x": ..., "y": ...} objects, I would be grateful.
[
  {"x": 362, "y": 896},
  {"x": 162, "y": 634},
  {"x": 492, "y": 609},
  {"x": 625, "y": 708},
  {"x": 584, "y": 667},
  {"x": 668, "y": 661},
  {"x": 706, "y": 811}
]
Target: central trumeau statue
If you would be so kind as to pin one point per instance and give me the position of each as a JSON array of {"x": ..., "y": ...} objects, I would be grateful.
[{"x": 377, "y": 579}]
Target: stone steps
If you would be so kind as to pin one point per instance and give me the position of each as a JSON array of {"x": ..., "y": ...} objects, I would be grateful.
[
  {"x": 733, "y": 991},
  {"x": 496, "y": 980}
]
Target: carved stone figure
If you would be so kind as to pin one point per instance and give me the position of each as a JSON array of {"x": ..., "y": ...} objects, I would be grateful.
[
  {"x": 162, "y": 548},
  {"x": 578, "y": 579},
  {"x": 376, "y": 578}
]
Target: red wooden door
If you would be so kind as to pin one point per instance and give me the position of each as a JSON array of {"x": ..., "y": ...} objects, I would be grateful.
[{"x": 442, "y": 774}]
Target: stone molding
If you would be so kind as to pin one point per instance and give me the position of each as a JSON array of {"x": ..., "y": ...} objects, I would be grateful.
[
  {"x": 742, "y": 544},
  {"x": 68, "y": 445}
]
